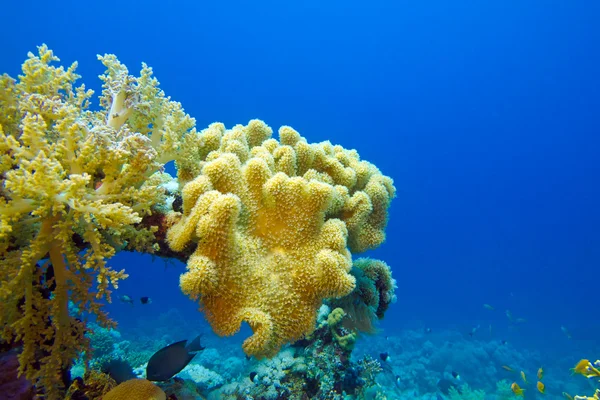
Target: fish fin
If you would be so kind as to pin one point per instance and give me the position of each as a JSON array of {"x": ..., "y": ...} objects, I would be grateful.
[
  {"x": 195, "y": 345},
  {"x": 189, "y": 359},
  {"x": 181, "y": 343}
]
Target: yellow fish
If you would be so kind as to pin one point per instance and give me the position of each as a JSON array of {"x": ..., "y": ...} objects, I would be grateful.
[
  {"x": 487, "y": 306},
  {"x": 567, "y": 395},
  {"x": 585, "y": 368},
  {"x": 541, "y": 387},
  {"x": 506, "y": 367},
  {"x": 523, "y": 377},
  {"x": 516, "y": 389},
  {"x": 540, "y": 373}
]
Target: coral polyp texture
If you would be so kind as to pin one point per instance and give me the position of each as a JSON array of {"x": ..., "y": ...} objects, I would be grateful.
[
  {"x": 72, "y": 179},
  {"x": 273, "y": 223}
]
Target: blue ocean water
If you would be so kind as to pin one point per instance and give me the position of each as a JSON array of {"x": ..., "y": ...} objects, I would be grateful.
[{"x": 485, "y": 114}]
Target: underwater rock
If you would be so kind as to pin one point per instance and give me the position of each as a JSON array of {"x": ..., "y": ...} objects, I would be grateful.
[{"x": 11, "y": 385}]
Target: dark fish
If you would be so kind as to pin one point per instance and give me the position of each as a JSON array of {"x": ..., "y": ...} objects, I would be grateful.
[
  {"x": 118, "y": 369},
  {"x": 427, "y": 330},
  {"x": 384, "y": 356},
  {"x": 252, "y": 375},
  {"x": 145, "y": 300},
  {"x": 503, "y": 342},
  {"x": 455, "y": 375},
  {"x": 444, "y": 386},
  {"x": 195, "y": 345},
  {"x": 170, "y": 360}
]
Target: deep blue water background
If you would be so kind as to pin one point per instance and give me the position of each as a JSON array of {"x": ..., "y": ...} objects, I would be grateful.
[{"x": 486, "y": 114}]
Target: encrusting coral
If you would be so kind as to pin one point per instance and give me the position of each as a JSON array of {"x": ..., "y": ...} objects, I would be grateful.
[
  {"x": 136, "y": 389},
  {"x": 266, "y": 226},
  {"x": 272, "y": 222}
]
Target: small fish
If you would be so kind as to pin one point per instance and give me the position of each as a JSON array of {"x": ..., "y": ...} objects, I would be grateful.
[
  {"x": 506, "y": 367},
  {"x": 455, "y": 375},
  {"x": 566, "y": 332},
  {"x": 540, "y": 373},
  {"x": 488, "y": 307},
  {"x": 520, "y": 320},
  {"x": 126, "y": 299},
  {"x": 252, "y": 375},
  {"x": 503, "y": 342},
  {"x": 119, "y": 370},
  {"x": 541, "y": 387},
  {"x": 385, "y": 357},
  {"x": 516, "y": 389},
  {"x": 523, "y": 377},
  {"x": 474, "y": 330},
  {"x": 585, "y": 368},
  {"x": 567, "y": 395},
  {"x": 427, "y": 330},
  {"x": 509, "y": 315},
  {"x": 170, "y": 360},
  {"x": 145, "y": 300}
]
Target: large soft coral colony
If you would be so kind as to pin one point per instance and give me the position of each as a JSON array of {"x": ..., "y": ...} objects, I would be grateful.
[
  {"x": 73, "y": 179},
  {"x": 272, "y": 222}
]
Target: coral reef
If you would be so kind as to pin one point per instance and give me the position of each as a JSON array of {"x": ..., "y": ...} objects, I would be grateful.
[
  {"x": 272, "y": 224},
  {"x": 266, "y": 226},
  {"x": 319, "y": 367},
  {"x": 464, "y": 392},
  {"x": 94, "y": 385}
]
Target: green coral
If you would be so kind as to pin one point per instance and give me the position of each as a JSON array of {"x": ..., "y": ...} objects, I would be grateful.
[
  {"x": 345, "y": 339},
  {"x": 503, "y": 390},
  {"x": 371, "y": 297}
]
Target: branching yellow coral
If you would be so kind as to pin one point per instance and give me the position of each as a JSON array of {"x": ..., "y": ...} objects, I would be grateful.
[
  {"x": 70, "y": 179},
  {"x": 272, "y": 222}
]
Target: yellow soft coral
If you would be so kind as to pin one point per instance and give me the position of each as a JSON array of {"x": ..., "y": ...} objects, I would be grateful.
[
  {"x": 272, "y": 223},
  {"x": 73, "y": 179}
]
